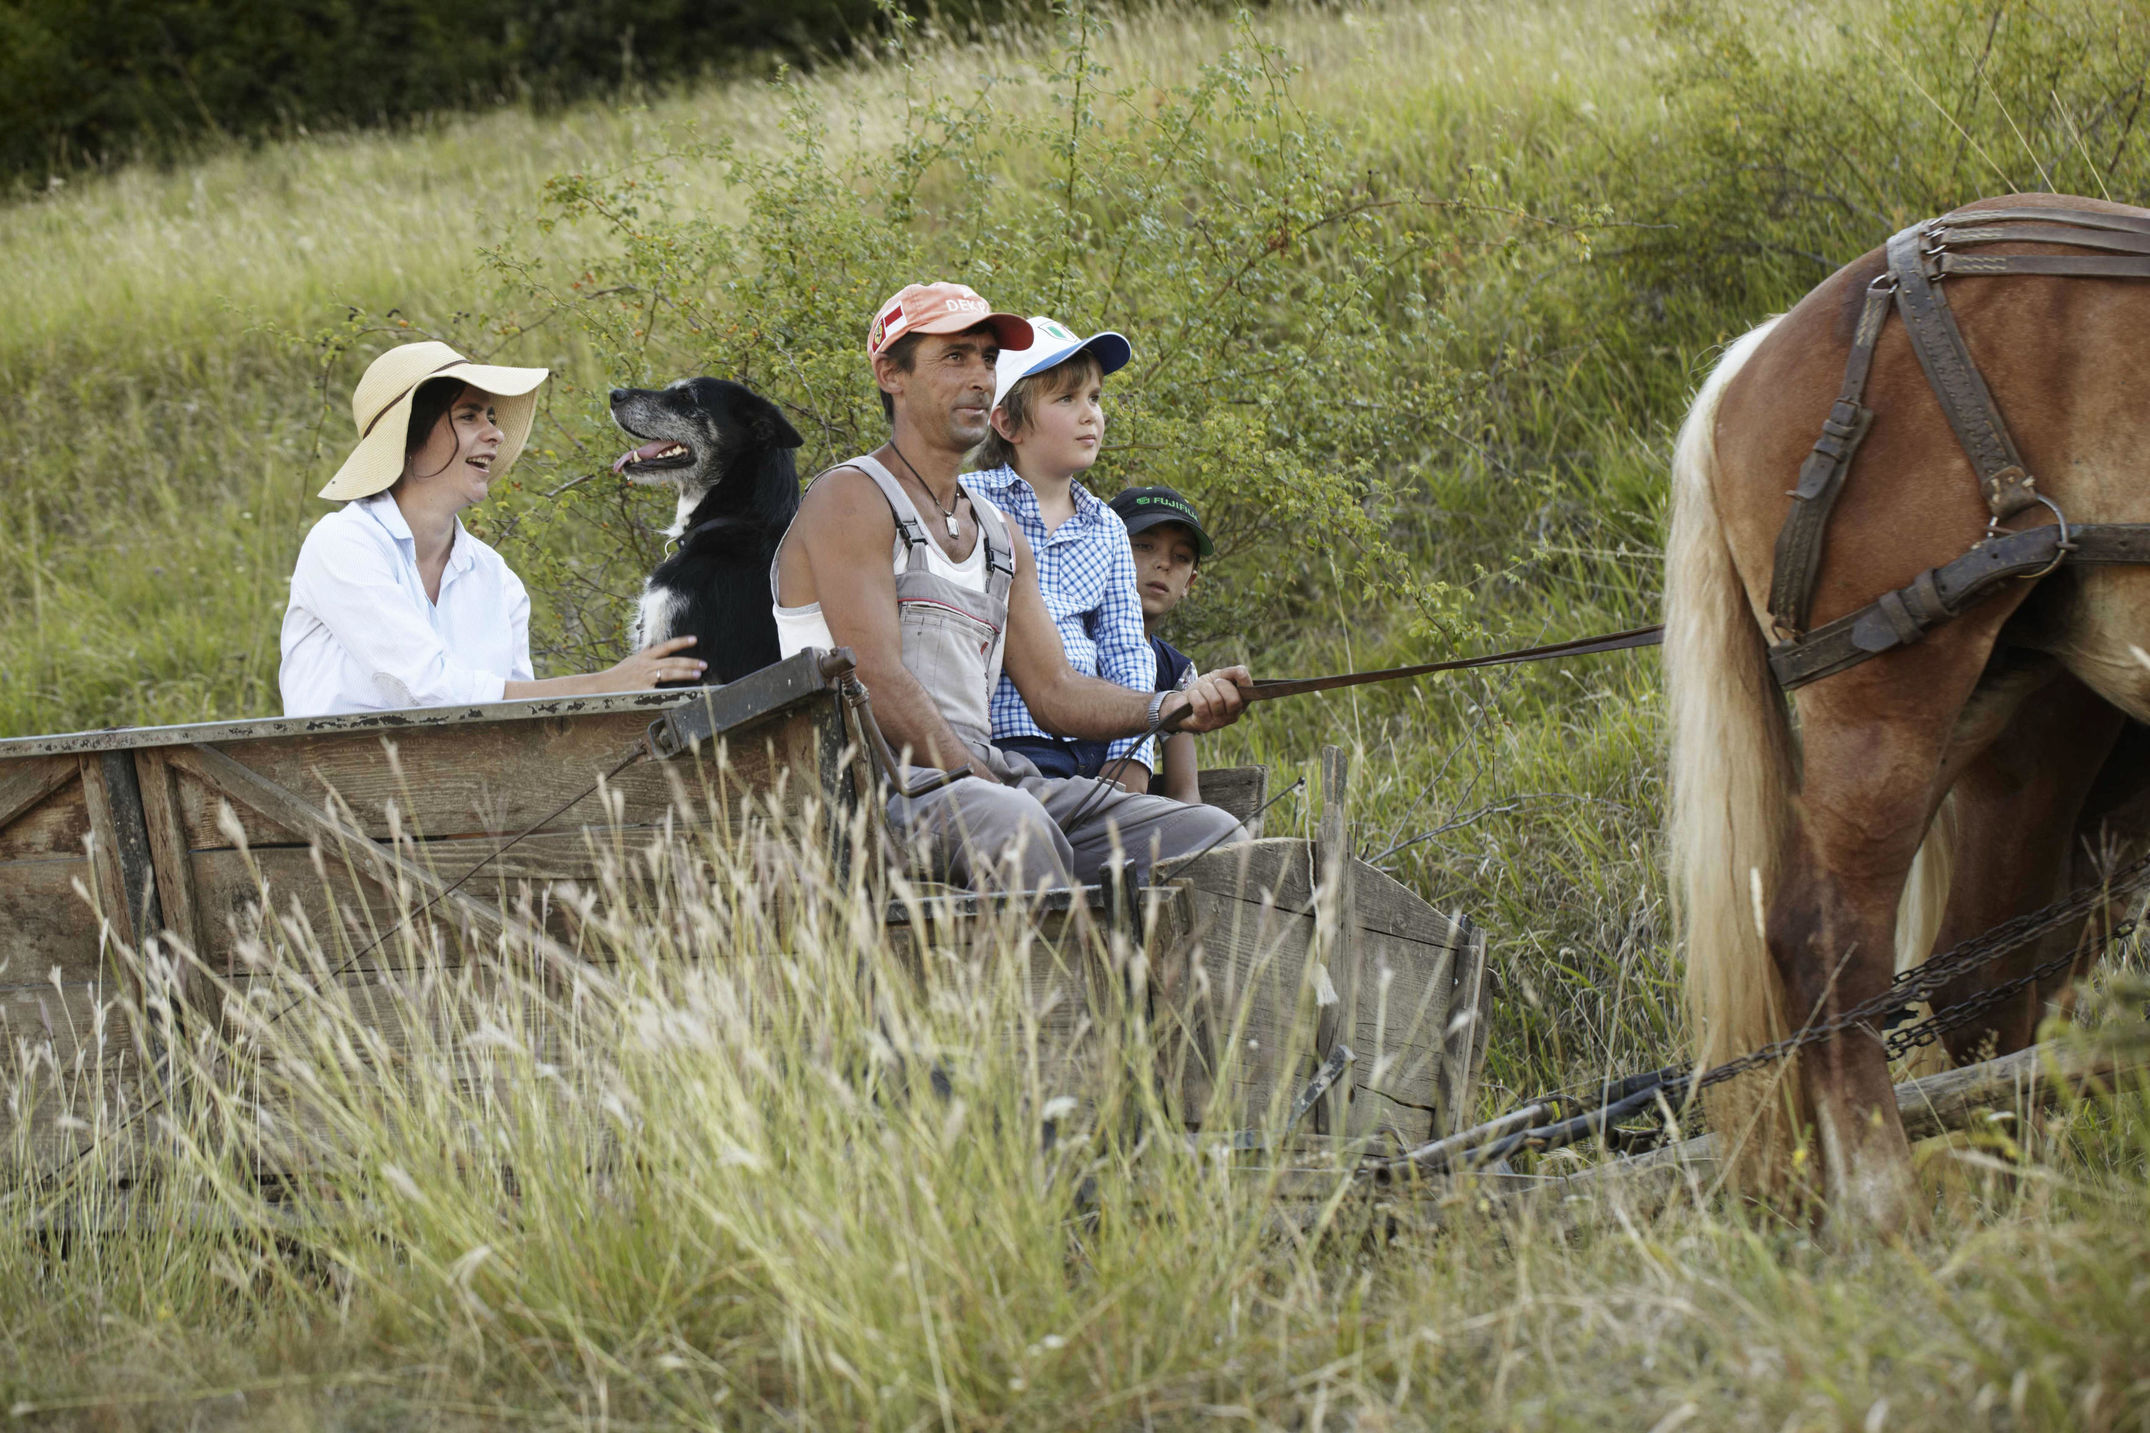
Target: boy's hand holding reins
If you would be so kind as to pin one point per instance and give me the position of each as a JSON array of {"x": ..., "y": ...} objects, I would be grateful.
[{"x": 1216, "y": 699}]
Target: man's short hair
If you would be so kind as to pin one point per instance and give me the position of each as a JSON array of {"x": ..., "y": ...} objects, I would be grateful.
[
  {"x": 903, "y": 353},
  {"x": 1021, "y": 400}
]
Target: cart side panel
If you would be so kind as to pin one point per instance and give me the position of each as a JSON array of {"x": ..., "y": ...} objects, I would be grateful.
[
  {"x": 1403, "y": 1010},
  {"x": 1067, "y": 1011},
  {"x": 495, "y": 781},
  {"x": 1234, "y": 983},
  {"x": 1231, "y": 973},
  {"x": 497, "y": 778}
]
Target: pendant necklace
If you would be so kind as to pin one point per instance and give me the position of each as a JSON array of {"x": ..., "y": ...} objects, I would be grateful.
[{"x": 948, "y": 514}]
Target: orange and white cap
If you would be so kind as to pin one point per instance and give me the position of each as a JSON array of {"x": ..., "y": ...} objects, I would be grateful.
[{"x": 942, "y": 308}]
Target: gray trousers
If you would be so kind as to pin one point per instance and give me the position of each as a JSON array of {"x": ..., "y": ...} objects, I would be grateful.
[{"x": 989, "y": 836}]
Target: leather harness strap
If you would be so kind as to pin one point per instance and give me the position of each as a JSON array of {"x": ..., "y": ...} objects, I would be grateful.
[
  {"x": 1821, "y": 476},
  {"x": 2065, "y": 266},
  {"x": 1902, "y": 617},
  {"x": 1917, "y": 258},
  {"x": 2121, "y": 241},
  {"x": 1955, "y": 379},
  {"x": 2073, "y": 218}
]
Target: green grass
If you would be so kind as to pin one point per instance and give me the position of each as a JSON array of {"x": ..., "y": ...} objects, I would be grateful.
[{"x": 760, "y": 1227}]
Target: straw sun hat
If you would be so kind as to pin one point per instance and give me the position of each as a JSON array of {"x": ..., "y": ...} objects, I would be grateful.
[{"x": 381, "y": 411}]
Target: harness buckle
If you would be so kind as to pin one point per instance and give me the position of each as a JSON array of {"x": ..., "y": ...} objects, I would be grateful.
[{"x": 2060, "y": 553}]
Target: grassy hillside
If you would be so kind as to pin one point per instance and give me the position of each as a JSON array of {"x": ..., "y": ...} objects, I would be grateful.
[{"x": 1419, "y": 292}]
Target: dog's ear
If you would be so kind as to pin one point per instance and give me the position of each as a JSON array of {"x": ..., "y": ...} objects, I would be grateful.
[{"x": 770, "y": 428}]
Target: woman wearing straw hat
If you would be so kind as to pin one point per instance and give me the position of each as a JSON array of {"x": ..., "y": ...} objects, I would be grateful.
[{"x": 393, "y": 604}]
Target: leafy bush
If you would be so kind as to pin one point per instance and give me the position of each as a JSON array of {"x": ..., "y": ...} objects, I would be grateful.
[
  {"x": 1764, "y": 187},
  {"x": 1290, "y": 371}
]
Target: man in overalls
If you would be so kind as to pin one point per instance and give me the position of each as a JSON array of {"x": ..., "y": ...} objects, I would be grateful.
[{"x": 894, "y": 557}]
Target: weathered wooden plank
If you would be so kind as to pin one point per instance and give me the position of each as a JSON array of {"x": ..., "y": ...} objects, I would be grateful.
[
  {"x": 26, "y": 783},
  {"x": 108, "y": 873},
  {"x": 1281, "y": 869},
  {"x": 168, "y": 857},
  {"x": 1053, "y": 938},
  {"x": 1250, "y": 970},
  {"x": 231, "y": 885},
  {"x": 44, "y": 925},
  {"x": 71, "y": 1072},
  {"x": 1240, "y": 790},
  {"x": 88, "y": 1125},
  {"x": 1402, "y": 1018},
  {"x": 383, "y": 865},
  {"x": 53, "y": 824},
  {"x": 67, "y": 1024},
  {"x": 756, "y": 694},
  {"x": 1253, "y": 999},
  {"x": 1340, "y": 952},
  {"x": 388, "y": 1017},
  {"x": 1374, "y": 1113},
  {"x": 495, "y": 781},
  {"x": 840, "y": 790},
  {"x": 1468, "y": 1026}
]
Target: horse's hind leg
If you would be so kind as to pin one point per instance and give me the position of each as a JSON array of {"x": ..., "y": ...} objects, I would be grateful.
[
  {"x": 1867, "y": 792},
  {"x": 2020, "y": 805}
]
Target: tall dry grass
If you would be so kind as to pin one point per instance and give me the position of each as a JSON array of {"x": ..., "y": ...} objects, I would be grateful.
[{"x": 736, "y": 1162}]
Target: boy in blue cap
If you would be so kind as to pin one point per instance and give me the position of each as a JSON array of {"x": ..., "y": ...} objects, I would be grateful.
[{"x": 1168, "y": 542}]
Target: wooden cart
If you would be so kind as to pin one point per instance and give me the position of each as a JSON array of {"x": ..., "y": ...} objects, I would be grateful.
[{"x": 111, "y": 841}]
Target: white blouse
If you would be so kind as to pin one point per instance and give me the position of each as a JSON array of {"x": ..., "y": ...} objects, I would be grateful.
[{"x": 361, "y": 634}]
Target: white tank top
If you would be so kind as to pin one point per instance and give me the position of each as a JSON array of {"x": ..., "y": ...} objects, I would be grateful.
[{"x": 798, "y": 628}]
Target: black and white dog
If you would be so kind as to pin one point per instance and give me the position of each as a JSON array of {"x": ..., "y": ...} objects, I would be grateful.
[{"x": 728, "y": 450}]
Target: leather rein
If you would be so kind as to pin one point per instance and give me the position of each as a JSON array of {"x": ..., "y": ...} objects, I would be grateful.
[
  {"x": 1919, "y": 258},
  {"x": 1580, "y": 647}
]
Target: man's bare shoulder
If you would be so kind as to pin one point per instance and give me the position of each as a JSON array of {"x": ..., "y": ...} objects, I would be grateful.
[{"x": 846, "y": 500}]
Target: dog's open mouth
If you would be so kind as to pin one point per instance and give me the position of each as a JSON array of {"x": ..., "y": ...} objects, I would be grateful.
[{"x": 660, "y": 453}]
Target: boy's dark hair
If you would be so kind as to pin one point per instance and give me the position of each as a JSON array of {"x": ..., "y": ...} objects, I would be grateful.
[
  {"x": 903, "y": 353},
  {"x": 1194, "y": 539},
  {"x": 1079, "y": 369}
]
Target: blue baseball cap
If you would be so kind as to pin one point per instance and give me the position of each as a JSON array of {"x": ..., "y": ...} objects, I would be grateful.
[{"x": 1052, "y": 344}]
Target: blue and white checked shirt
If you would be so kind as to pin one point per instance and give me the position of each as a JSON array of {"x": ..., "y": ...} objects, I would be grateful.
[{"x": 1087, "y": 575}]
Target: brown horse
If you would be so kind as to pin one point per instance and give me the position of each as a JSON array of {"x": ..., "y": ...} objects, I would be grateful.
[{"x": 1796, "y": 824}]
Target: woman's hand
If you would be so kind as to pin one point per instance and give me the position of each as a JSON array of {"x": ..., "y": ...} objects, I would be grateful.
[{"x": 655, "y": 664}]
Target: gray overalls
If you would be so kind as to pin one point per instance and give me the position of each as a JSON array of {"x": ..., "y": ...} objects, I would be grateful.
[{"x": 1008, "y": 834}]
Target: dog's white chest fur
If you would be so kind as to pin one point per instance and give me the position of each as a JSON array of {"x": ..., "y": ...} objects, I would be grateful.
[
  {"x": 654, "y": 616},
  {"x": 660, "y": 607},
  {"x": 688, "y": 502}
]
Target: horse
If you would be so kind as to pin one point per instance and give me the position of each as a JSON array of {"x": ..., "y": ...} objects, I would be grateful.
[{"x": 1825, "y": 837}]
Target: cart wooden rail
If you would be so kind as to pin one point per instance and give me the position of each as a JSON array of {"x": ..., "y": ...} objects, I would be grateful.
[{"x": 113, "y": 841}]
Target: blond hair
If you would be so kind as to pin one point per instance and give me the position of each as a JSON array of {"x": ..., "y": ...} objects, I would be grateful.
[{"x": 1080, "y": 368}]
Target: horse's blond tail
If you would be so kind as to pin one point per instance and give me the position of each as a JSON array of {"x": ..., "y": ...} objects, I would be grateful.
[
  {"x": 1918, "y": 920},
  {"x": 1731, "y": 785}
]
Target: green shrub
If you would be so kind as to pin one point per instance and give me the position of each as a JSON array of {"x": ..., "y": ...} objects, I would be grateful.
[
  {"x": 1291, "y": 373},
  {"x": 1765, "y": 186}
]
